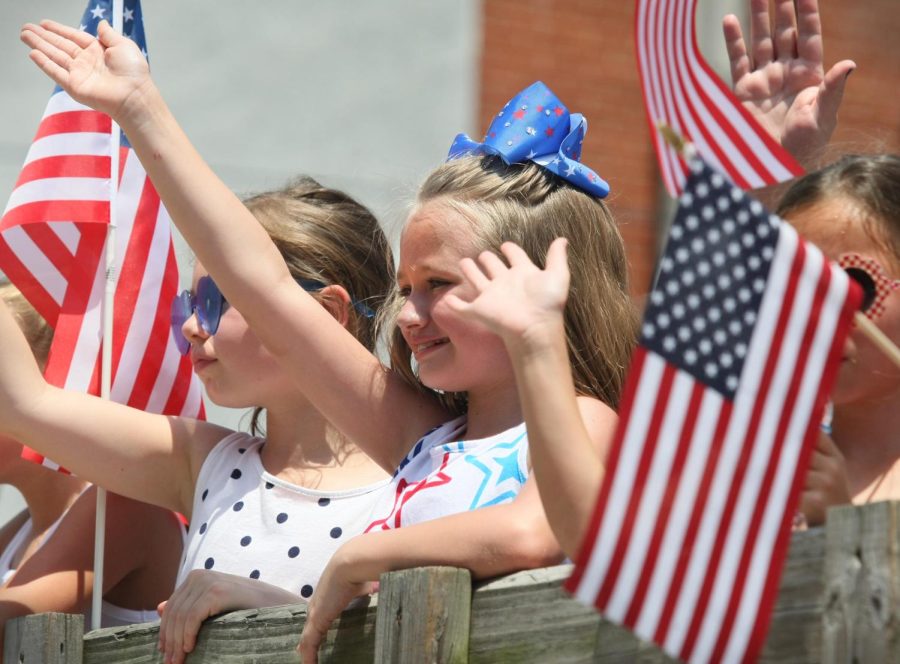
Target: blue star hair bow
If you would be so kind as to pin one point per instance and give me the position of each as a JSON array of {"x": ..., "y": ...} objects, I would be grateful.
[{"x": 536, "y": 126}]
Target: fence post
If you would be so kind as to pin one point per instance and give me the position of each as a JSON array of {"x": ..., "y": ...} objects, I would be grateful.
[
  {"x": 861, "y": 617},
  {"x": 44, "y": 638},
  {"x": 423, "y": 616}
]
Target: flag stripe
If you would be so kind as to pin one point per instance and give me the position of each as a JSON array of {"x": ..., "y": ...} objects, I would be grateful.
[
  {"x": 73, "y": 122},
  {"x": 667, "y": 502},
  {"x": 640, "y": 481},
  {"x": 681, "y": 90}
]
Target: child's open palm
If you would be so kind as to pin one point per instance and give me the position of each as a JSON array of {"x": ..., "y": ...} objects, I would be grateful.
[
  {"x": 102, "y": 73},
  {"x": 515, "y": 298},
  {"x": 781, "y": 77}
]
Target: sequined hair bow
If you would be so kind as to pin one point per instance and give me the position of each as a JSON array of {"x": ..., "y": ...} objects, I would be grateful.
[{"x": 536, "y": 126}]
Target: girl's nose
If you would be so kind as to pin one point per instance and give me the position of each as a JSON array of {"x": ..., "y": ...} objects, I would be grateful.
[
  {"x": 192, "y": 330},
  {"x": 412, "y": 314}
]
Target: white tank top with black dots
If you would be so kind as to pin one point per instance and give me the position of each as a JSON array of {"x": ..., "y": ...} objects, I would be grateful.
[
  {"x": 252, "y": 524},
  {"x": 444, "y": 475}
]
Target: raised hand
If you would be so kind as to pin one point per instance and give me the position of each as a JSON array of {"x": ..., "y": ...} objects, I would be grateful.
[
  {"x": 515, "y": 299},
  {"x": 102, "y": 72},
  {"x": 781, "y": 80}
]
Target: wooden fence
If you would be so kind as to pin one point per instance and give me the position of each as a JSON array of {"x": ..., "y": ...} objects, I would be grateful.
[{"x": 838, "y": 602}]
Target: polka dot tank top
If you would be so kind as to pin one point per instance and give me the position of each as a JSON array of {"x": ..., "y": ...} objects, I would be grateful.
[{"x": 252, "y": 524}]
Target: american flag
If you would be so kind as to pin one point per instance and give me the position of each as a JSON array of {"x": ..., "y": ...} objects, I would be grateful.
[
  {"x": 740, "y": 343},
  {"x": 683, "y": 92},
  {"x": 52, "y": 237}
]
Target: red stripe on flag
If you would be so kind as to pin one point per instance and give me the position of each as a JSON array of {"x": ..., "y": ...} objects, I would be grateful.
[
  {"x": 746, "y": 449},
  {"x": 612, "y": 463},
  {"x": 74, "y": 122},
  {"x": 668, "y": 500},
  {"x": 832, "y": 366},
  {"x": 765, "y": 488},
  {"x": 690, "y": 537},
  {"x": 80, "y": 211},
  {"x": 33, "y": 290},
  {"x": 137, "y": 255},
  {"x": 65, "y": 166},
  {"x": 640, "y": 482},
  {"x": 158, "y": 340}
]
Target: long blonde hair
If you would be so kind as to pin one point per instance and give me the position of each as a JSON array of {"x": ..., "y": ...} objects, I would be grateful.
[{"x": 530, "y": 206}]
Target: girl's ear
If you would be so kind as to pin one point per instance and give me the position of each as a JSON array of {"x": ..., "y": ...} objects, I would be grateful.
[{"x": 337, "y": 301}]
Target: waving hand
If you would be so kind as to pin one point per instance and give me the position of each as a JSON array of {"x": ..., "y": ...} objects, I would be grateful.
[
  {"x": 781, "y": 78},
  {"x": 102, "y": 73}
]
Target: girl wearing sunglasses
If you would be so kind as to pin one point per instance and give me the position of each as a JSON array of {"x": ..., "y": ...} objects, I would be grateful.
[
  {"x": 851, "y": 210},
  {"x": 265, "y": 514}
]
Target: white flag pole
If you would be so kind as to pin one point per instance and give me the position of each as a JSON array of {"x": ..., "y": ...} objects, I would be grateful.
[{"x": 106, "y": 348}]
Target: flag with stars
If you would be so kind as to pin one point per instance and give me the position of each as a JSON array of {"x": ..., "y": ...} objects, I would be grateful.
[
  {"x": 52, "y": 238},
  {"x": 682, "y": 91},
  {"x": 740, "y": 343}
]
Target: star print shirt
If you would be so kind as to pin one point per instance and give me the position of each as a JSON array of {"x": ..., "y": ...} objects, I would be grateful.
[
  {"x": 252, "y": 524},
  {"x": 443, "y": 475}
]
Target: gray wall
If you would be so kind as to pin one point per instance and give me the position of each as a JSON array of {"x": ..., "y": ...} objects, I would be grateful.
[{"x": 365, "y": 96}]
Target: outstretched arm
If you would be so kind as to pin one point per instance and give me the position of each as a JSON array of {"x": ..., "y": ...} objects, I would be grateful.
[
  {"x": 342, "y": 379},
  {"x": 567, "y": 435},
  {"x": 489, "y": 541},
  {"x": 149, "y": 457},
  {"x": 781, "y": 78}
]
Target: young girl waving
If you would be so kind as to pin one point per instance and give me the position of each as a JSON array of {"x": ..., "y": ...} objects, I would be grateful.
[{"x": 266, "y": 514}]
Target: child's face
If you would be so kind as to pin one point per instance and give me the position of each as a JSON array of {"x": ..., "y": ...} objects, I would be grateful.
[
  {"x": 453, "y": 354},
  {"x": 866, "y": 374},
  {"x": 235, "y": 368}
]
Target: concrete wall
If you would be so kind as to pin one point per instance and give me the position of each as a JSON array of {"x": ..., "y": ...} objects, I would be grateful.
[{"x": 365, "y": 96}]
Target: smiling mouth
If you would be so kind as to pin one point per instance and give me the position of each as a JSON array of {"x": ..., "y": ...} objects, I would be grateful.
[{"x": 421, "y": 348}]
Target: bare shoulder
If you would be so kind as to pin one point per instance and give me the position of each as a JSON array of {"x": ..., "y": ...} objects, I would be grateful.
[{"x": 600, "y": 421}]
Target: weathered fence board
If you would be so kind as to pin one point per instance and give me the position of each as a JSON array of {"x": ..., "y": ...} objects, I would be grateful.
[
  {"x": 863, "y": 584},
  {"x": 45, "y": 638},
  {"x": 423, "y": 616},
  {"x": 838, "y": 602}
]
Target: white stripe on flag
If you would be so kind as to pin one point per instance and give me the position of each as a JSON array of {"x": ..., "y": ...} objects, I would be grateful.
[
  {"x": 63, "y": 103},
  {"x": 87, "y": 345},
  {"x": 59, "y": 189},
  {"x": 144, "y": 317},
  {"x": 78, "y": 144},
  {"x": 658, "y": 479},
  {"x": 36, "y": 262},
  {"x": 623, "y": 479},
  {"x": 751, "y": 376},
  {"x": 679, "y": 517}
]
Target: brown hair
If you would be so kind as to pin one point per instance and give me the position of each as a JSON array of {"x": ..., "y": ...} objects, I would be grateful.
[
  {"x": 36, "y": 330},
  {"x": 326, "y": 236},
  {"x": 870, "y": 182},
  {"x": 530, "y": 206}
]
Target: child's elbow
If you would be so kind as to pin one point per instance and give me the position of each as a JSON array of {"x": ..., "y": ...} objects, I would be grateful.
[{"x": 533, "y": 544}]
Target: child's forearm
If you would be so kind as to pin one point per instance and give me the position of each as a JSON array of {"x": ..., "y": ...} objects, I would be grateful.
[
  {"x": 489, "y": 542},
  {"x": 564, "y": 459}
]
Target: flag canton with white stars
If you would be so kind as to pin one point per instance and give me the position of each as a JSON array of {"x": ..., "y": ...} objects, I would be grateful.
[{"x": 703, "y": 307}]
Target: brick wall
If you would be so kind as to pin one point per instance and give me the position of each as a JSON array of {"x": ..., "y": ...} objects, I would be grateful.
[{"x": 584, "y": 50}]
